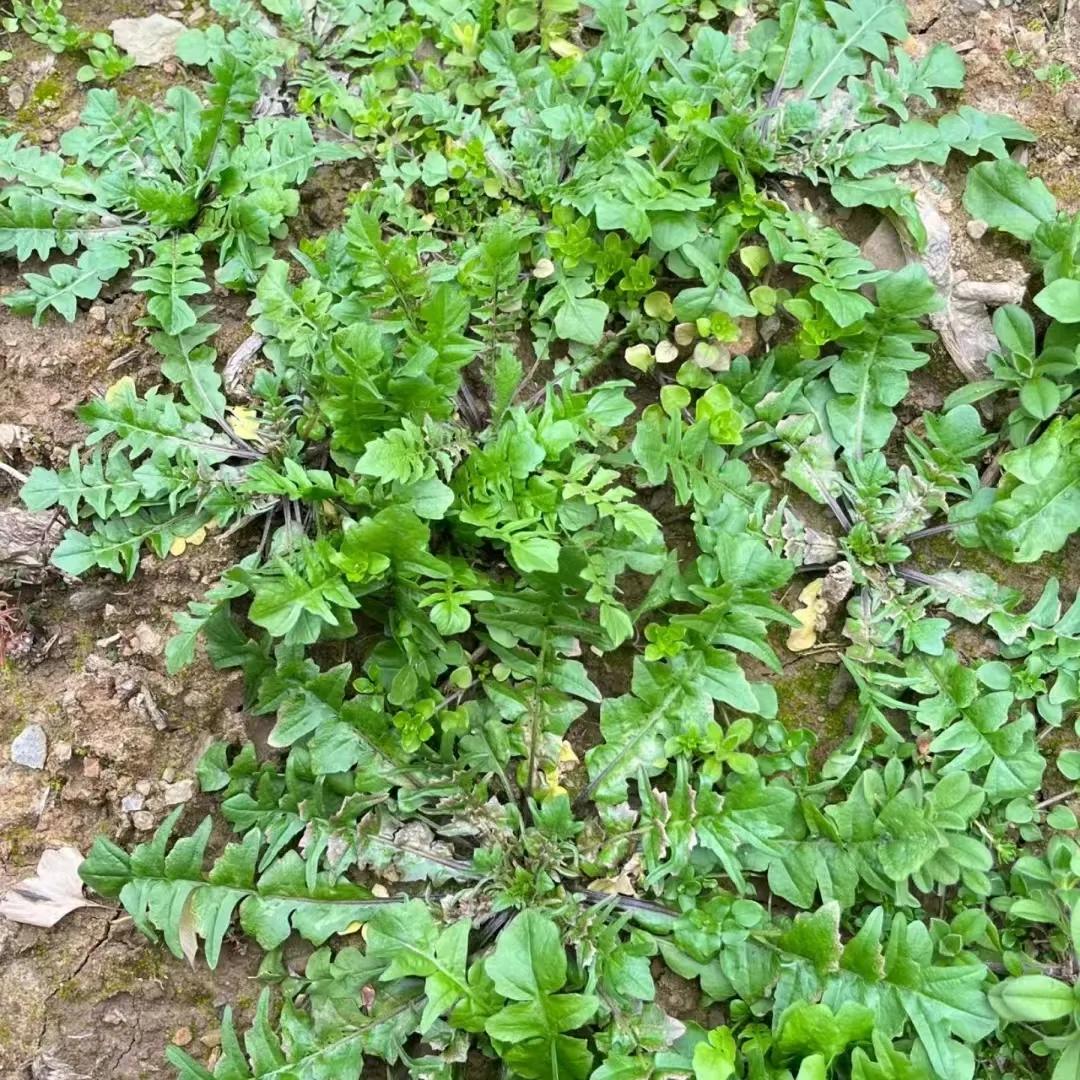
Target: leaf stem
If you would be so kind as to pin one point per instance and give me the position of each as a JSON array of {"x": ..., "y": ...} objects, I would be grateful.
[
  {"x": 1061, "y": 796},
  {"x": 933, "y": 530}
]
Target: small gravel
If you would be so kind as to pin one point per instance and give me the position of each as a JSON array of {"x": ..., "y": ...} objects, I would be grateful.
[
  {"x": 181, "y": 792},
  {"x": 132, "y": 803}
]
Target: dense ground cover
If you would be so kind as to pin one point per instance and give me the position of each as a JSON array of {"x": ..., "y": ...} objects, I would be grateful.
[{"x": 539, "y": 468}]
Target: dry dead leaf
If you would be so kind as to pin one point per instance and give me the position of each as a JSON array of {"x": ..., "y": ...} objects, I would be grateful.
[
  {"x": 811, "y": 617},
  {"x": 238, "y": 365},
  {"x": 964, "y": 321},
  {"x": 838, "y": 583},
  {"x": 27, "y": 539},
  {"x": 55, "y": 891},
  {"x": 802, "y": 542},
  {"x": 14, "y": 437},
  {"x": 614, "y": 886}
]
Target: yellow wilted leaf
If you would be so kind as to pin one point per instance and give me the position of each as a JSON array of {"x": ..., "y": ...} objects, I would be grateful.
[
  {"x": 666, "y": 352},
  {"x": 685, "y": 333},
  {"x": 244, "y": 421},
  {"x": 618, "y": 886},
  {"x": 811, "y": 617},
  {"x": 119, "y": 387},
  {"x": 562, "y": 47},
  {"x": 657, "y": 305},
  {"x": 181, "y": 543},
  {"x": 553, "y": 774},
  {"x": 551, "y": 787},
  {"x": 639, "y": 356}
]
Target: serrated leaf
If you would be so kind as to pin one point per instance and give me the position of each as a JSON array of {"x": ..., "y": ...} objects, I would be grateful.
[
  {"x": 66, "y": 284},
  {"x": 1003, "y": 195}
]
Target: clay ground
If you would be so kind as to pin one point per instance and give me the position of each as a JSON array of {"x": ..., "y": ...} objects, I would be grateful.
[{"x": 91, "y": 998}]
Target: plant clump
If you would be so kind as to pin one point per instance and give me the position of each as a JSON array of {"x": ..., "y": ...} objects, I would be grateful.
[{"x": 578, "y": 393}]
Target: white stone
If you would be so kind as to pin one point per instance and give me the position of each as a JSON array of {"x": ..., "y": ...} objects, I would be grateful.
[
  {"x": 146, "y": 640},
  {"x": 147, "y": 41},
  {"x": 181, "y": 792},
  {"x": 29, "y": 747}
]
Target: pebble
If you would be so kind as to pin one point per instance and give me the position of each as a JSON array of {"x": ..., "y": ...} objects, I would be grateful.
[
  {"x": 1072, "y": 108},
  {"x": 181, "y": 792},
  {"x": 98, "y": 313},
  {"x": 169, "y": 775},
  {"x": 146, "y": 640},
  {"x": 976, "y": 228},
  {"x": 144, "y": 787},
  {"x": 883, "y": 248},
  {"x": 88, "y": 599},
  {"x": 91, "y": 768},
  {"x": 29, "y": 747},
  {"x": 132, "y": 803},
  {"x": 16, "y": 96},
  {"x": 61, "y": 753},
  {"x": 143, "y": 820},
  {"x": 970, "y": 7},
  {"x": 182, "y": 1037}
]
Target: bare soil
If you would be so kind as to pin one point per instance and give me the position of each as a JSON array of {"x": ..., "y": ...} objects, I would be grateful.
[{"x": 92, "y": 998}]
